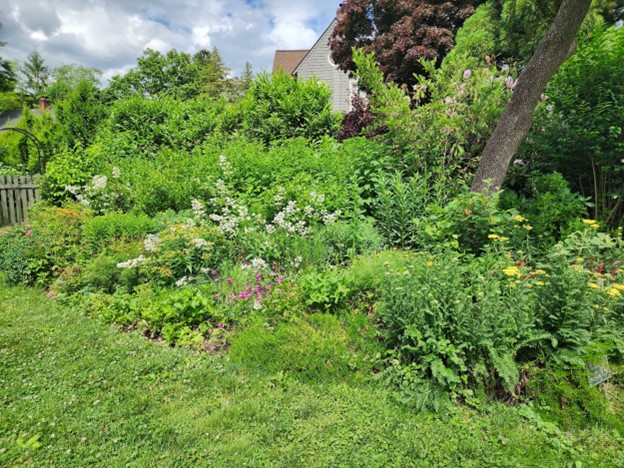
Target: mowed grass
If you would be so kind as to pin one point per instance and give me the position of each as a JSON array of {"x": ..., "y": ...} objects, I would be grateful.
[{"x": 74, "y": 392}]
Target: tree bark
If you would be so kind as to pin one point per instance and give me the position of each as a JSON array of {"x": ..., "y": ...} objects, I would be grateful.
[{"x": 514, "y": 125}]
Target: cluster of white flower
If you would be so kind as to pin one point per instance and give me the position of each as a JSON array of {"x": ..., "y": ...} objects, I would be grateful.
[
  {"x": 198, "y": 208},
  {"x": 226, "y": 167},
  {"x": 132, "y": 263},
  {"x": 116, "y": 172},
  {"x": 99, "y": 182},
  {"x": 256, "y": 264},
  {"x": 78, "y": 193},
  {"x": 183, "y": 281},
  {"x": 233, "y": 215},
  {"x": 151, "y": 242},
  {"x": 281, "y": 194},
  {"x": 199, "y": 243},
  {"x": 330, "y": 218}
]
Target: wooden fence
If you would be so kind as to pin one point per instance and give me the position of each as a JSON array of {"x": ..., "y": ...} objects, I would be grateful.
[{"x": 17, "y": 193}]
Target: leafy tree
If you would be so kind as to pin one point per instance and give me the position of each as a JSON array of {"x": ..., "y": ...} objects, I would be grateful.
[
  {"x": 80, "y": 112},
  {"x": 244, "y": 82},
  {"x": 554, "y": 49},
  {"x": 399, "y": 32},
  {"x": 174, "y": 74},
  {"x": 7, "y": 73},
  {"x": 213, "y": 74},
  {"x": 66, "y": 78},
  {"x": 35, "y": 77}
]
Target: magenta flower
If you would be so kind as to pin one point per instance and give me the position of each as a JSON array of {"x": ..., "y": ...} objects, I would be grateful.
[
  {"x": 216, "y": 296},
  {"x": 229, "y": 280},
  {"x": 213, "y": 272},
  {"x": 220, "y": 325}
]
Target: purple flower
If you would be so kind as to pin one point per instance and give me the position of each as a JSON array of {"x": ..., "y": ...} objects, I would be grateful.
[
  {"x": 216, "y": 296},
  {"x": 213, "y": 272},
  {"x": 220, "y": 325},
  {"x": 229, "y": 280},
  {"x": 467, "y": 74}
]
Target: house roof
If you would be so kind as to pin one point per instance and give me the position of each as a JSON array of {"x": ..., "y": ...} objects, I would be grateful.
[
  {"x": 288, "y": 60},
  {"x": 331, "y": 26}
]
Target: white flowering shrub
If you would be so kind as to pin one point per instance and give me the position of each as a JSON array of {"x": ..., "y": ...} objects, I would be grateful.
[{"x": 103, "y": 194}]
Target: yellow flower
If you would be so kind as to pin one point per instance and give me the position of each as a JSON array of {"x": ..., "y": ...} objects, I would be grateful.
[
  {"x": 512, "y": 271},
  {"x": 619, "y": 287},
  {"x": 539, "y": 272},
  {"x": 429, "y": 263},
  {"x": 579, "y": 260},
  {"x": 528, "y": 227},
  {"x": 613, "y": 292},
  {"x": 493, "y": 236},
  {"x": 590, "y": 222},
  {"x": 539, "y": 283},
  {"x": 519, "y": 218},
  {"x": 593, "y": 285}
]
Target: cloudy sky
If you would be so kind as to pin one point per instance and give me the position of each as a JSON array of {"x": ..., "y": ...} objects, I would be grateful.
[{"x": 111, "y": 34}]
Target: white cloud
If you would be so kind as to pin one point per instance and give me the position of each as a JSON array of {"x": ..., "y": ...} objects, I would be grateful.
[{"x": 111, "y": 34}]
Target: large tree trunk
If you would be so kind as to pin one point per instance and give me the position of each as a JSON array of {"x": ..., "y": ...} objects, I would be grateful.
[{"x": 514, "y": 125}]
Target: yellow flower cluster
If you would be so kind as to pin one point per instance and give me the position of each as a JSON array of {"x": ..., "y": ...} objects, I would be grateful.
[
  {"x": 591, "y": 223},
  {"x": 512, "y": 271}
]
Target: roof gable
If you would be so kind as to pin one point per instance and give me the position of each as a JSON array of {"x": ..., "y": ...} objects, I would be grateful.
[{"x": 288, "y": 60}]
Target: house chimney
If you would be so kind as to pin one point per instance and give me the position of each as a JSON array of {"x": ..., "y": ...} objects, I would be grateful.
[{"x": 44, "y": 104}]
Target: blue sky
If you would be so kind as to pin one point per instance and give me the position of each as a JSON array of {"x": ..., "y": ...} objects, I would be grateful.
[{"x": 111, "y": 34}]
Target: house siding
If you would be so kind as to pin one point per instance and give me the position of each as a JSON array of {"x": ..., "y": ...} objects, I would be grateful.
[{"x": 317, "y": 64}]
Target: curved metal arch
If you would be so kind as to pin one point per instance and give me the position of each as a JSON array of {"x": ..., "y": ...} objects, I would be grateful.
[{"x": 35, "y": 140}]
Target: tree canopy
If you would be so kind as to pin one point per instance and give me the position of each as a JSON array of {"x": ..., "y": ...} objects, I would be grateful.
[
  {"x": 35, "y": 77},
  {"x": 399, "y": 32}
]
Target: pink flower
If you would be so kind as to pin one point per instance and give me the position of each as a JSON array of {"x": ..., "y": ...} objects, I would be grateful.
[
  {"x": 216, "y": 296},
  {"x": 488, "y": 59},
  {"x": 220, "y": 325},
  {"x": 229, "y": 281},
  {"x": 216, "y": 280},
  {"x": 509, "y": 82},
  {"x": 467, "y": 74},
  {"x": 28, "y": 233},
  {"x": 213, "y": 272}
]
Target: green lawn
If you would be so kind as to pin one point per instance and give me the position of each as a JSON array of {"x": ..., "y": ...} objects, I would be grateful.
[{"x": 76, "y": 392}]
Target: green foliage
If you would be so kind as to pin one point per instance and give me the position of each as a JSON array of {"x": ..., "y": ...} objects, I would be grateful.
[
  {"x": 100, "y": 231},
  {"x": 140, "y": 127},
  {"x": 80, "y": 112},
  {"x": 176, "y": 75},
  {"x": 279, "y": 106},
  {"x": 577, "y": 131},
  {"x": 457, "y": 323},
  {"x": 14, "y": 245},
  {"x": 547, "y": 202},
  {"x": 70, "y": 167},
  {"x": 35, "y": 77},
  {"x": 66, "y": 79}
]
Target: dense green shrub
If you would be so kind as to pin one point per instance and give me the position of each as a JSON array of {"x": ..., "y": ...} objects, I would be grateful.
[
  {"x": 577, "y": 130},
  {"x": 14, "y": 246},
  {"x": 458, "y": 323},
  {"x": 279, "y": 106},
  {"x": 141, "y": 127},
  {"x": 98, "y": 232},
  {"x": 548, "y": 204}
]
